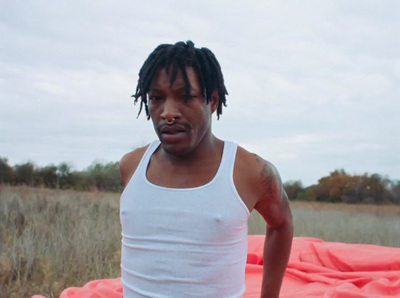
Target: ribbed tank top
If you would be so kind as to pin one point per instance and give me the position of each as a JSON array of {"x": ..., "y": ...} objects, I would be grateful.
[{"x": 183, "y": 242}]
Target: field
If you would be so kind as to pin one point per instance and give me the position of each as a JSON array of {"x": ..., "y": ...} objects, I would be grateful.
[
  {"x": 50, "y": 239},
  {"x": 368, "y": 224}
]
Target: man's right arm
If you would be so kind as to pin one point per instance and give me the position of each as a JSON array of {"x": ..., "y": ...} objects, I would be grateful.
[{"x": 129, "y": 162}]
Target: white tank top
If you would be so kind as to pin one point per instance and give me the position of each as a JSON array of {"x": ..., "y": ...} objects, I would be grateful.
[{"x": 184, "y": 242}]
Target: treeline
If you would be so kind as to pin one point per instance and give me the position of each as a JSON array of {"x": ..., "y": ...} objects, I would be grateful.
[
  {"x": 339, "y": 186},
  {"x": 98, "y": 176}
]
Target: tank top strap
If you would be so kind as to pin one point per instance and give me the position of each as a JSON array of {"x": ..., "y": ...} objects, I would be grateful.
[
  {"x": 144, "y": 162},
  {"x": 228, "y": 160},
  {"x": 225, "y": 169}
]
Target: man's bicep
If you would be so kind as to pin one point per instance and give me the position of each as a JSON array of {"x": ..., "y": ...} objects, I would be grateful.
[
  {"x": 275, "y": 213},
  {"x": 273, "y": 203}
]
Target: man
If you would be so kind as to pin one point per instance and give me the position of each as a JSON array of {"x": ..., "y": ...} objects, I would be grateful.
[{"x": 188, "y": 195}]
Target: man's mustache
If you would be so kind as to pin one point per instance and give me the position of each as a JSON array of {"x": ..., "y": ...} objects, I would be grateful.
[{"x": 187, "y": 126}]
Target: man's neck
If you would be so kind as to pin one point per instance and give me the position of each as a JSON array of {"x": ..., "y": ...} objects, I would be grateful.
[
  {"x": 192, "y": 170},
  {"x": 209, "y": 147}
]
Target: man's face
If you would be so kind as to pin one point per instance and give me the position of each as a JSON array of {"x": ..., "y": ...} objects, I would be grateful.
[{"x": 192, "y": 118}]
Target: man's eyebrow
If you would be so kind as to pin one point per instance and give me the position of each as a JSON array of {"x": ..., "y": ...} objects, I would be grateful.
[{"x": 183, "y": 88}]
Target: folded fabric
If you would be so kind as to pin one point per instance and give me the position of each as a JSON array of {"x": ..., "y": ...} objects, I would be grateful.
[
  {"x": 316, "y": 269},
  {"x": 330, "y": 269}
]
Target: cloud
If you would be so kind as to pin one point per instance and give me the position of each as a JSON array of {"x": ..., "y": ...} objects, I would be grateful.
[{"x": 313, "y": 86}]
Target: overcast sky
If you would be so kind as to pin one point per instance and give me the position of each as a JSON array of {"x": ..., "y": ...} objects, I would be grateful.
[{"x": 313, "y": 85}]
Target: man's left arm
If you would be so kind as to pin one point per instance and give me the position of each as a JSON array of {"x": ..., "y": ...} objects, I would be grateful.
[{"x": 273, "y": 205}]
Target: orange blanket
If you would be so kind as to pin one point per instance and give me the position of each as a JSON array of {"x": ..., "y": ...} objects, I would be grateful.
[{"x": 316, "y": 269}]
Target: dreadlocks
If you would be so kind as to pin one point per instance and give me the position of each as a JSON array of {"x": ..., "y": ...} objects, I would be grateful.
[{"x": 177, "y": 57}]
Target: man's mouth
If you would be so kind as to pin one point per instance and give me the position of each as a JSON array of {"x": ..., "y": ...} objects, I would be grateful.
[
  {"x": 173, "y": 132},
  {"x": 173, "y": 129}
]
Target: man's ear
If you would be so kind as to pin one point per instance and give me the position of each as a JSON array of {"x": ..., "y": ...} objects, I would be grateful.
[{"x": 214, "y": 101}]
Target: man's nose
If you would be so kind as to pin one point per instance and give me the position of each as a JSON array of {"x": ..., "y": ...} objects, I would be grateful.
[{"x": 170, "y": 109}]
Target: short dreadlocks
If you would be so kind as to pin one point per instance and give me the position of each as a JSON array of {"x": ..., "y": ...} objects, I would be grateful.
[{"x": 179, "y": 56}]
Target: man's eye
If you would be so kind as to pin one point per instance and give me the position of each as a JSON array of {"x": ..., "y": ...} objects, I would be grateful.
[
  {"x": 189, "y": 97},
  {"x": 155, "y": 98}
]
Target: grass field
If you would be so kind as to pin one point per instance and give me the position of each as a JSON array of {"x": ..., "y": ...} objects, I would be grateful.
[
  {"x": 368, "y": 224},
  {"x": 50, "y": 239}
]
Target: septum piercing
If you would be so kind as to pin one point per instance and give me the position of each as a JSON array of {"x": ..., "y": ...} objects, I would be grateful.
[{"x": 170, "y": 121}]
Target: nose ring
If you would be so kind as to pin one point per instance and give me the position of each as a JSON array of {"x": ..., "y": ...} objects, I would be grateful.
[{"x": 170, "y": 121}]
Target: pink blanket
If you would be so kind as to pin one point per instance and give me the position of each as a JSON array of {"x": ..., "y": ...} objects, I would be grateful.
[{"x": 316, "y": 269}]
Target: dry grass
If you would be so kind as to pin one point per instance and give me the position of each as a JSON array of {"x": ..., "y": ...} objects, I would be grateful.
[
  {"x": 368, "y": 224},
  {"x": 384, "y": 210},
  {"x": 51, "y": 240}
]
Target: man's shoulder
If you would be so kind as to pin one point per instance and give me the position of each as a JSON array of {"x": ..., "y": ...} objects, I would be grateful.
[
  {"x": 134, "y": 154},
  {"x": 129, "y": 162},
  {"x": 259, "y": 173},
  {"x": 264, "y": 182},
  {"x": 252, "y": 163}
]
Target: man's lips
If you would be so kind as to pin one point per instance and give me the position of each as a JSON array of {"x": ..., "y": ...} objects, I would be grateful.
[
  {"x": 173, "y": 129},
  {"x": 172, "y": 134}
]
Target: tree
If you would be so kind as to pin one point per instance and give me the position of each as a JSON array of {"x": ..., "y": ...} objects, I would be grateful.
[
  {"x": 47, "y": 177},
  {"x": 395, "y": 192},
  {"x": 307, "y": 194},
  {"x": 64, "y": 175},
  {"x": 292, "y": 188},
  {"x": 24, "y": 173},
  {"x": 106, "y": 176},
  {"x": 6, "y": 172}
]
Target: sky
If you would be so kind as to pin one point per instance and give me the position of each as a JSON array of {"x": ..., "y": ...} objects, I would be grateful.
[{"x": 313, "y": 86}]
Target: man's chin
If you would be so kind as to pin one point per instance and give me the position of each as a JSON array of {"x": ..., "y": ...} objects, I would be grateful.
[{"x": 176, "y": 149}]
